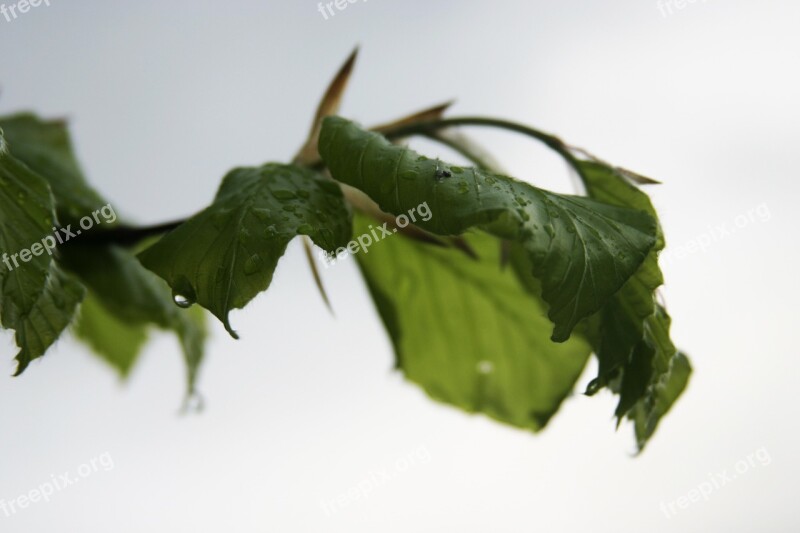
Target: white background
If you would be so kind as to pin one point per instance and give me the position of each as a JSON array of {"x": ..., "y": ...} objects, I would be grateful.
[{"x": 165, "y": 97}]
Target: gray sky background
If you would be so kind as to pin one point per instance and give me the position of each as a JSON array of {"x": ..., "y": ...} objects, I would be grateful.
[{"x": 165, "y": 97}]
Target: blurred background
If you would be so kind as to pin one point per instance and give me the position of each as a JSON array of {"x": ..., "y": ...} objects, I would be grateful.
[{"x": 165, "y": 97}]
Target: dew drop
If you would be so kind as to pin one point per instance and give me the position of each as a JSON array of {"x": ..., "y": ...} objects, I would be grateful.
[
  {"x": 262, "y": 214},
  {"x": 593, "y": 387},
  {"x": 305, "y": 229},
  {"x": 485, "y": 367},
  {"x": 181, "y": 300},
  {"x": 283, "y": 194},
  {"x": 463, "y": 188}
]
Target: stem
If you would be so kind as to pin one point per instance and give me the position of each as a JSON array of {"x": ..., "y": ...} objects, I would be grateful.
[
  {"x": 128, "y": 235},
  {"x": 426, "y": 128}
]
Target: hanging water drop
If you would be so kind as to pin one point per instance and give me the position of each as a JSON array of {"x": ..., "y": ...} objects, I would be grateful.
[{"x": 181, "y": 300}]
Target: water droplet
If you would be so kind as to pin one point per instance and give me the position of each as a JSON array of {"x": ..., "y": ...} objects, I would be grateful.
[
  {"x": 593, "y": 386},
  {"x": 463, "y": 187},
  {"x": 252, "y": 264},
  {"x": 283, "y": 194},
  {"x": 262, "y": 214},
  {"x": 270, "y": 231},
  {"x": 550, "y": 230},
  {"x": 181, "y": 300},
  {"x": 456, "y": 170},
  {"x": 485, "y": 367},
  {"x": 305, "y": 229}
]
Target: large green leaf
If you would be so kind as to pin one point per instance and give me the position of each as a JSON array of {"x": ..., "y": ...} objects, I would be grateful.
[
  {"x": 46, "y": 148},
  {"x": 636, "y": 357},
  {"x": 37, "y": 299},
  {"x": 581, "y": 250},
  {"x": 467, "y": 332},
  {"x": 225, "y": 255}
]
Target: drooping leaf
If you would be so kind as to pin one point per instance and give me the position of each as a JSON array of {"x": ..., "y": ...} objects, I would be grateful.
[
  {"x": 467, "y": 332},
  {"x": 582, "y": 250},
  {"x": 117, "y": 342},
  {"x": 37, "y": 300},
  {"x": 636, "y": 357},
  {"x": 46, "y": 148},
  {"x": 130, "y": 294},
  {"x": 225, "y": 255}
]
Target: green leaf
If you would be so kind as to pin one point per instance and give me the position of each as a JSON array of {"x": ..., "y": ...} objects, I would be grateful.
[
  {"x": 581, "y": 250},
  {"x": 467, "y": 332},
  {"x": 37, "y": 299},
  {"x": 226, "y": 254},
  {"x": 51, "y": 313},
  {"x": 129, "y": 294},
  {"x": 116, "y": 341},
  {"x": 46, "y": 148},
  {"x": 637, "y": 358},
  {"x": 669, "y": 378}
]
